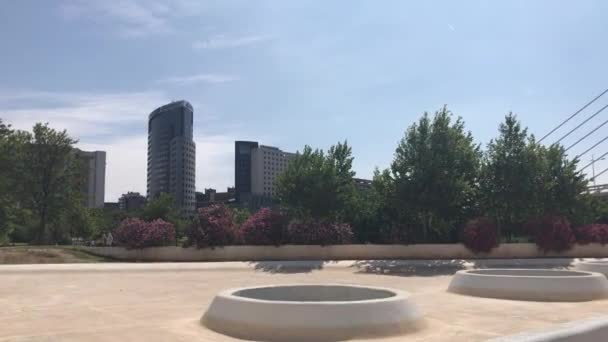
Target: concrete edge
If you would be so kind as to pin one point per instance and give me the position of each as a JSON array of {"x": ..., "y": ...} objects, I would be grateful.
[
  {"x": 339, "y": 252},
  {"x": 588, "y": 330},
  {"x": 368, "y": 266},
  {"x": 524, "y": 284}
]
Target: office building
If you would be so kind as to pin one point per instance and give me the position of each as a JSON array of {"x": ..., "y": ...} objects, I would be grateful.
[
  {"x": 94, "y": 182},
  {"x": 242, "y": 169},
  {"x": 171, "y": 154},
  {"x": 267, "y": 163},
  {"x": 111, "y": 206},
  {"x": 256, "y": 169},
  {"x": 131, "y": 201},
  {"x": 211, "y": 196}
]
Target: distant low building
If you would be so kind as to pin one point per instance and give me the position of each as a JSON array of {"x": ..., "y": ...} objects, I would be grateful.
[
  {"x": 363, "y": 184},
  {"x": 131, "y": 201},
  {"x": 93, "y": 186},
  {"x": 111, "y": 206},
  {"x": 210, "y": 196}
]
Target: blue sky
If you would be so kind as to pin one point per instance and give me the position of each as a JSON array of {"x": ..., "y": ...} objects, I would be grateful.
[{"x": 289, "y": 73}]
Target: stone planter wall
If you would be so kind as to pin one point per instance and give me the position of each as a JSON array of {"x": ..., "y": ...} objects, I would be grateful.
[{"x": 340, "y": 252}]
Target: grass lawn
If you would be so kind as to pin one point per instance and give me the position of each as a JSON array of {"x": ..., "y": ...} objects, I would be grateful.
[{"x": 45, "y": 255}]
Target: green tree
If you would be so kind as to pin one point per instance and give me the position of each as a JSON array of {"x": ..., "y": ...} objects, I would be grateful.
[
  {"x": 434, "y": 175},
  {"x": 163, "y": 207},
  {"x": 6, "y": 199},
  {"x": 240, "y": 215},
  {"x": 370, "y": 215},
  {"x": 563, "y": 186},
  {"x": 48, "y": 176},
  {"x": 522, "y": 179},
  {"x": 511, "y": 177},
  {"x": 318, "y": 184}
]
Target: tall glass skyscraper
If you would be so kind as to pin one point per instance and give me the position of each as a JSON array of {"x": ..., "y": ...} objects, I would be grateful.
[
  {"x": 171, "y": 154},
  {"x": 242, "y": 169}
]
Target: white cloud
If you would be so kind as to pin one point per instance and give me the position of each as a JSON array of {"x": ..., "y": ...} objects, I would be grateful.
[
  {"x": 225, "y": 42},
  {"x": 133, "y": 18},
  {"x": 200, "y": 78},
  {"x": 214, "y": 161},
  {"x": 81, "y": 114},
  {"x": 87, "y": 115}
]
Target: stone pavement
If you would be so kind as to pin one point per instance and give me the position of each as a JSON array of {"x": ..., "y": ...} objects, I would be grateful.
[{"x": 163, "y": 302}]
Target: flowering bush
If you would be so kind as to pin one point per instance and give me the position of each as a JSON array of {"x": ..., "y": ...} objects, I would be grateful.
[
  {"x": 134, "y": 233},
  {"x": 266, "y": 227},
  {"x": 551, "y": 233},
  {"x": 213, "y": 226},
  {"x": 315, "y": 232},
  {"x": 480, "y": 235},
  {"x": 592, "y": 233}
]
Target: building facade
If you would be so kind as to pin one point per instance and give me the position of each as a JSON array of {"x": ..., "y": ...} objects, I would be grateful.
[
  {"x": 256, "y": 168},
  {"x": 211, "y": 196},
  {"x": 172, "y": 154},
  {"x": 267, "y": 163},
  {"x": 131, "y": 201},
  {"x": 242, "y": 169},
  {"x": 363, "y": 184},
  {"x": 94, "y": 183}
]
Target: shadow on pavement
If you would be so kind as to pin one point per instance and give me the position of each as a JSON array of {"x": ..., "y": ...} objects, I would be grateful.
[
  {"x": 288, "y": 266},
  {"x": 429, "y": 268},
  {"x": 404, "y": 268}
]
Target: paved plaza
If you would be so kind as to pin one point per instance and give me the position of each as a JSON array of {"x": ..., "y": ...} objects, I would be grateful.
[{"x": 164, "y": 302}]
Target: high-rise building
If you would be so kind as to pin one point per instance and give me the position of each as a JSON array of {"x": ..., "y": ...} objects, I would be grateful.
[
  {"x": 171, "y": 154},
  {"x": 267, "y": 163},
  {"x": 131, "y": 201},
  {"x": 256, "y": 169},
  {"x": 242, "y": 169},
  {"x": 93, "y": 186}
]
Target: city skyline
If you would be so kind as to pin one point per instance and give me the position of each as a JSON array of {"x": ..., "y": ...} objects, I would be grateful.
[{"x": 291, "y": 74}]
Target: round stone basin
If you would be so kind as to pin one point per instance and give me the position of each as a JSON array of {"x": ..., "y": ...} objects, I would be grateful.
[
  {"x": 331, "y": 312},
  {"x": 531, "y": 284},
  {"x": 599, "y": 266}
]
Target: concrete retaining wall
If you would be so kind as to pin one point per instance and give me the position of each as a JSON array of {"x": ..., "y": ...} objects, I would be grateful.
[{"x": 341, "y": 252}]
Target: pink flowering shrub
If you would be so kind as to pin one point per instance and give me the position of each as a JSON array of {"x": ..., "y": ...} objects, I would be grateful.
[
  {"x": 317, "y": 232},
  {"x": 266, "y": 227},
  {"x": 134, "y": 233},
  {"x": 213, "y": 226},
  {"x": 480, "y": 235},
  {"x": 551, "y": 233},
  {"x": 592, "y": 233}
]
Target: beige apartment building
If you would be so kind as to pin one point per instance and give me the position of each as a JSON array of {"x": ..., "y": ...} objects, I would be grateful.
[
  {"x": 94, "y": 185},
  {"x": 267, "y": 163}
]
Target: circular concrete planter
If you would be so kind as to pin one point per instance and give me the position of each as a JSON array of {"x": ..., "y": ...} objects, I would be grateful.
[
  {"x": 530, "y": 284},
  {"x": 311, "y": 312},
  {"x": 599, "y": 266}
]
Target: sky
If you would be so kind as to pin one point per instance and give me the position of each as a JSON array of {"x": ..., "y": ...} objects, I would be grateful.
[{"x": 291, "y": 73}]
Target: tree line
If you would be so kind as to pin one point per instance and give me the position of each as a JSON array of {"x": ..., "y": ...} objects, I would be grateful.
[{"x": 439, "y": 180}]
